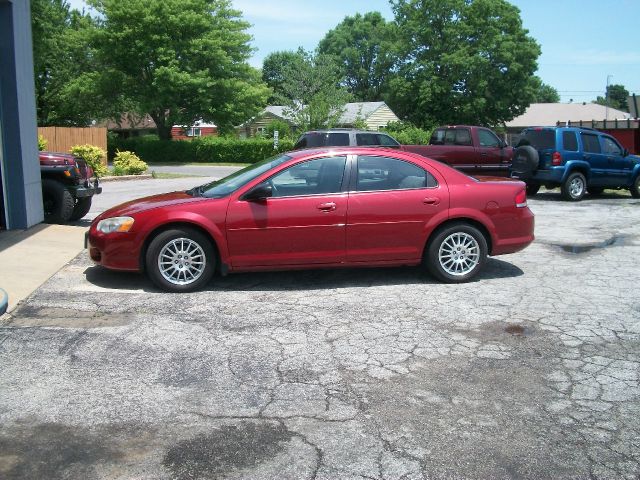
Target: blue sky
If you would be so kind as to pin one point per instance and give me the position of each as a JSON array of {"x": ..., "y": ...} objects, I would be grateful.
[{"x": 583, "y": 41}]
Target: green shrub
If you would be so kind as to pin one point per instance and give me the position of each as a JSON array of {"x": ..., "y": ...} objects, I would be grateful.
[
  {"x": 118, "y": 171},
  {"x": 408, "y": 134},
  {"x": 129, "y": 162},
  {"x": 283, "y": 128},
  {"x": 94, "y": 156},
  {"x": 200, "y": 150},
  {"x": 42, "y": 143}
]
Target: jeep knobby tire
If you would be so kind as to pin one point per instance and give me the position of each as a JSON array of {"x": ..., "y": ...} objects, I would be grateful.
[{"x": 57, "y": 201}]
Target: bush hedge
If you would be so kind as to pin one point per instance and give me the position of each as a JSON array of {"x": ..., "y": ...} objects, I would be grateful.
[{"x": 200, "y": 150}]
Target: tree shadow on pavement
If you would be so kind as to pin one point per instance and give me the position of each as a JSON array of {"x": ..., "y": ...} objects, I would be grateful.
[{"x": 292, "y": 280}]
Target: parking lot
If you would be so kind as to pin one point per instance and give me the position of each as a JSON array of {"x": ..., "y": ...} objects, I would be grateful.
[{"x": 530, "y": 371}]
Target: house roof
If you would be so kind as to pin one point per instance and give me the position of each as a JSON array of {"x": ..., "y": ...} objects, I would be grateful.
[
  {"x": 352, "y": 111},
  {"x": 539, "y": 114}
]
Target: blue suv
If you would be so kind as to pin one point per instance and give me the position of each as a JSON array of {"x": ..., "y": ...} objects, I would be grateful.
[{"x": 576, "y": 159}]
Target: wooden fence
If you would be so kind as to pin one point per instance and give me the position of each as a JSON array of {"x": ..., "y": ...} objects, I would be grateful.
[{"x": 61, "y": 139}]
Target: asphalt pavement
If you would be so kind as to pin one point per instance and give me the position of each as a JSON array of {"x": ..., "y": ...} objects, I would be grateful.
[{"x": 531, "y": 371}]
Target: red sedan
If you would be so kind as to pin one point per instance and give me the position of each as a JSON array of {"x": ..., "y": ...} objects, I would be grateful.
[{"x": 338, "y": 207}]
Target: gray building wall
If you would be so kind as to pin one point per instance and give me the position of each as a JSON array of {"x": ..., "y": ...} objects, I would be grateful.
[{"x": 18, "y": 127}]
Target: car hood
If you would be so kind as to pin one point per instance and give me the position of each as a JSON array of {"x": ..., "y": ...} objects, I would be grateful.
[{"x": 149, "y": 203}]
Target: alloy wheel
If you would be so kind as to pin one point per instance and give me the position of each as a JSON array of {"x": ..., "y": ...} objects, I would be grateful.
[{"x": 459, "y": 254}]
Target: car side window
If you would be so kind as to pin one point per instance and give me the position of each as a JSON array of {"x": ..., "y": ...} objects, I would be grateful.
[
  {"x": 384, "y": 173},
  {"x": 488, "y": 139},
  {"x": 451, "y": 136},
  {"x": 611, "y": 147},
  {"x": 367, "y": 139},
  {"x": 387, "y": 141},
  {"x": 319, "y": 176},
  {"x": 569, "y": 141},
  {"x": 590, "y": 143}
]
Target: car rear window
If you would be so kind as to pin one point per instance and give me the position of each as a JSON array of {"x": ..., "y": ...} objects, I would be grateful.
[
  {"x": 590, "y": 143},
  {"x": 569, "y": 141},
  {"x": 375, "y": 139},
  {"x": 539, "y": 139},
  {"x": 322, "y": 139},
  {"x": 451, "y": 136}
]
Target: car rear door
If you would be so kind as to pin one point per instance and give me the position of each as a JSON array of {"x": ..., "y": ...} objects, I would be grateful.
[
  {"x": 303, "y": 223},
  {"x": 390, "y": 202}
]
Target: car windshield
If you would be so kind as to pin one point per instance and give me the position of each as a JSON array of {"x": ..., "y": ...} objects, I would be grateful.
[
  {"x": 540, "y": 139},
  {"x": 225, "y": 186}
]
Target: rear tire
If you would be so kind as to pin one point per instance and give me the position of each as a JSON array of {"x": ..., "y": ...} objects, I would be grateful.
[
  {"x": 57, "y": 202},
  {"x": 574, "y": 187},
  {"x": 456, "y": 253},
  {"x": 180, "y": 260},
  {"x": 635, "y": 188},
  {"x": 532, "y": 189},
  {"x": 81, "y": 208}
]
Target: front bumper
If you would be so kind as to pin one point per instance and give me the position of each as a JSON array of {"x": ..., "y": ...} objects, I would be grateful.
[
  {"x": 117, "y": 251},
  {"x": 87, "y": 190}
]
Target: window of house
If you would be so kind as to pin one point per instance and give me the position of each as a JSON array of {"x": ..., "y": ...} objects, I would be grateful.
[{"x": 194, "y": 132}]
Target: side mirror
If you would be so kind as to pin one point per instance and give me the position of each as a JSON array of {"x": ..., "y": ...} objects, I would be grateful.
[
  {"x": 625, "y": 152},
  {"x": 259, "y": 192}
]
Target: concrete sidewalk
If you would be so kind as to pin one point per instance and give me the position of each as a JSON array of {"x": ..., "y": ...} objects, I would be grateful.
[{"x": 29, "y": 257}]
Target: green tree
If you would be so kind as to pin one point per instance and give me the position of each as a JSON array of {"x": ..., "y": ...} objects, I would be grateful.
[
  {"x": 618, "y": 97},
  {"x": 60, "y": 55},
  {"x": 177, "y": 60},
  {"x": 362, "y": 46},
  {"x": 462, "y": 61},
  {"x": 311, "y": 93},
  {"x": 545, "y": 93},
  {"x": 273, "y": 70}
]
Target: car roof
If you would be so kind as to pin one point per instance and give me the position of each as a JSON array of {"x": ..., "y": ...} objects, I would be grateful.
[{"x": 340, "y": 130}]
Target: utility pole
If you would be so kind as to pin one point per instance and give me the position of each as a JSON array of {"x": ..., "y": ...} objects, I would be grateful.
[{"x": 606, "y": 115}]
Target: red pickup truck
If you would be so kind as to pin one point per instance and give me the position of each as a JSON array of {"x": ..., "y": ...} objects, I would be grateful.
[{"x": 474, "y": 150}]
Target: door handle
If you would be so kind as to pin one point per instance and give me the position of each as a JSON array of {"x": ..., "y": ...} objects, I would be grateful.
[
  {"x": 327, "y": 207},
  {"x": 431, "y": 201}
]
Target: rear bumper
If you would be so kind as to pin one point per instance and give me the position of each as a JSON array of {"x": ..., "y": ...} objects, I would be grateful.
[
  {"x": 520, "y": 236},
  {"x": 553, "y": 176}
]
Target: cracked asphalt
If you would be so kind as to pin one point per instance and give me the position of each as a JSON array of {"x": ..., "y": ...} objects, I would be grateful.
[{"x": 531, "y": 371}]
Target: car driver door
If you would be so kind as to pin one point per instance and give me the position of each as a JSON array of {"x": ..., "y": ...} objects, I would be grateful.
[{"x": 301, "y": 223}]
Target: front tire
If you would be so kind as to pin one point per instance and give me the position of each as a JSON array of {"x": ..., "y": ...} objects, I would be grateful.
[
  {"x": 81, "y": 208},
  {"x": 180, "y": 260},
  {"x": 456, "y": 253},
  {"x": 635, "y": 188},
  {"x": 574, "y": 187},
  {"x": 57, "y": 202}
]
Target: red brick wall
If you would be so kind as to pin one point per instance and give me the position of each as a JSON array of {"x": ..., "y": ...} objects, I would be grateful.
[{"x": 177, "y": 133}]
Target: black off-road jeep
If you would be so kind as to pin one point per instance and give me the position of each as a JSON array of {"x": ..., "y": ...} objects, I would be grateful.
[{"x": 67, "y": 187}]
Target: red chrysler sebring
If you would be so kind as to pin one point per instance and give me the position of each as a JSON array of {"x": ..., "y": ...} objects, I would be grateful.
[{"x": 338, "y": 207}]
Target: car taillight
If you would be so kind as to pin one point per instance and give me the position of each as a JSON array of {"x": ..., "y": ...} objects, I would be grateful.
[
  {"x": 556, "y": 159},
  {"x": 521, "y": 199}
]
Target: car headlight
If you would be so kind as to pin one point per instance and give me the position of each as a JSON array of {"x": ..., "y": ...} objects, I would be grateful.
[{"x": 115, "y": 224}]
